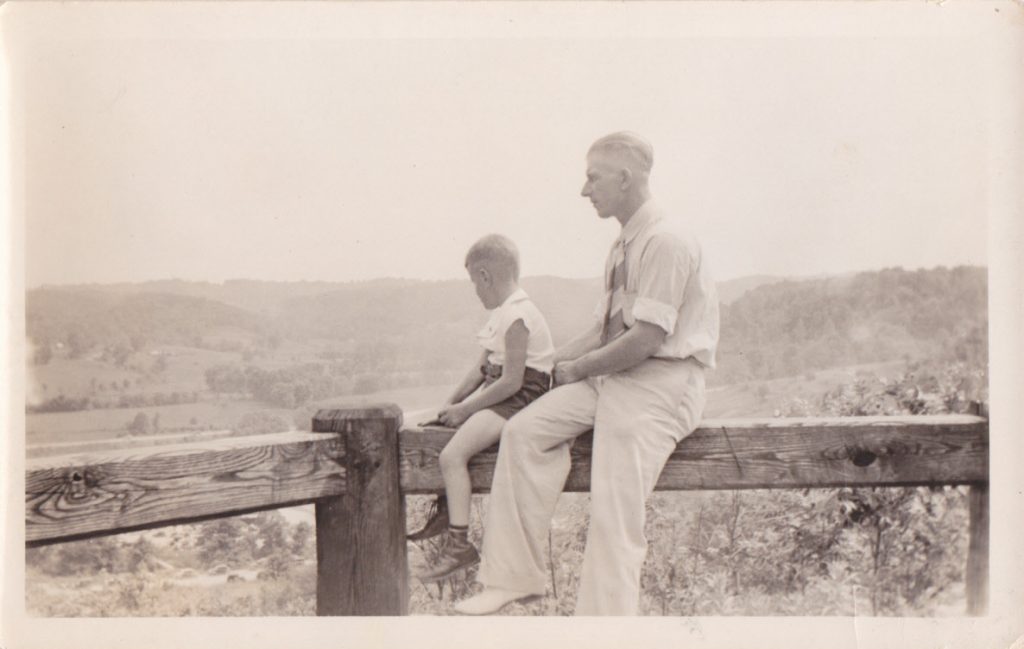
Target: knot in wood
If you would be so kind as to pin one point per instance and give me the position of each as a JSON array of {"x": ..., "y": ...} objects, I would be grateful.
[
  {"x": 78, "y": 483},
  {"x": 861, "y": 456}
]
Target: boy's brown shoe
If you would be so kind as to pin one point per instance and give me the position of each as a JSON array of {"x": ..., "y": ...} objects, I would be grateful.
[
  {"x": 456, "y": 553},
  {"x": 437, "y": 521}
]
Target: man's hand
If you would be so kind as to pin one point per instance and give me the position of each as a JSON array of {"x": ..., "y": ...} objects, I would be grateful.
[
  {"x": 454, "y": 415},
  {"x": 565, "y": 372}
]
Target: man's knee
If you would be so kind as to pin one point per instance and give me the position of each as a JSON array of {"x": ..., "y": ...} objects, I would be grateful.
[
  {"x": 516, "y": 432},
  {"x": 523, "y": 436}
]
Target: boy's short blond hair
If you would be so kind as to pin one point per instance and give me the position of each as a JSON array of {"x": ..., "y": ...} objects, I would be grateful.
[{"x": 497, "y": 253}]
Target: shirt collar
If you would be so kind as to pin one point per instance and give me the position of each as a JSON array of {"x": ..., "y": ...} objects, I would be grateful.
[
  {"x": 640, "y": 219},
  {"x": 517, "y": 296}
]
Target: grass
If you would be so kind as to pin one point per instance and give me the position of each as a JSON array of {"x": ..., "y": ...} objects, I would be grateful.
[
  {"x": 72, "y": 378},
  {"x": 746, "y": 400},
  {"x": 91, "y": 425},
  {"x": 751, "y": 399},
  {"x": 185, "y": 370},
  {"x": 164, "y": 593}
]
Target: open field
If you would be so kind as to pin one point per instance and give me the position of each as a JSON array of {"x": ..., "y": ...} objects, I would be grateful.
[
  {"x": 91, "y": 425},
  {"x": 161, "y": 368},
  {"x": 762, "y": 398},
  {"x": 185, "y": 367},
  {"x": 751, "y": 399}
]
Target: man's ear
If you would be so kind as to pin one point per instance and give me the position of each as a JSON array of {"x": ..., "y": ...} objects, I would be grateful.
[{"x": 626, "y": 178}]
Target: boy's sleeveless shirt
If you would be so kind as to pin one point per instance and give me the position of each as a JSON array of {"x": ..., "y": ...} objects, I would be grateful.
[{"x": 539, "y": 350}]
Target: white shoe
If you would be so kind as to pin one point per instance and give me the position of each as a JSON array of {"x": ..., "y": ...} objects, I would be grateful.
[{"x": 491, "y": 600}]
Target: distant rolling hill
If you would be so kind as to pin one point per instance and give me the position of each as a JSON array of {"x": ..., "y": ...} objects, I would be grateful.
[
  {"x": 432, "y": 319},
  {"x": 156, "y": 306},
  {"x": 731, "y": 290},
  {"x": 89, "y": 317},
  {"x": 770, "y": 326},
  {"x": 788, "y": 327}
]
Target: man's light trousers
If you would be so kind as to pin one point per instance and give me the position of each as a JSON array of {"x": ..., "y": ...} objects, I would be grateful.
[{"x": 638, "y": 417}]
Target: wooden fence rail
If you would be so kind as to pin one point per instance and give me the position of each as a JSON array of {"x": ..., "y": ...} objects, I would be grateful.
[{"x": 357, "y": 466}]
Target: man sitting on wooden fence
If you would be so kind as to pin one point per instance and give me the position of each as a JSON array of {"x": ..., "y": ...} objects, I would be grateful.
[{"x": 636, "y": 377}]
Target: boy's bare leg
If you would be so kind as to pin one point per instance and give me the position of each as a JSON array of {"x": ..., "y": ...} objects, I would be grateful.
[
  {"x": 456, "y": 551},
  {"x": 481, "y": 431}
]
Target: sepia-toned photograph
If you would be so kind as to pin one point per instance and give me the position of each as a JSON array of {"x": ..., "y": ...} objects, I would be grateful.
[{"x": 691, "y": 313}]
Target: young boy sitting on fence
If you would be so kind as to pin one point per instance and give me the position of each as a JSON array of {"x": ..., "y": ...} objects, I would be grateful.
[{"x": 514, "y": 369}]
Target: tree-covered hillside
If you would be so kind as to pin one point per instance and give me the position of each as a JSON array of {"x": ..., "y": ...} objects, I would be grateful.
[
  {"x": 791, "y": 327},
  {"x": 388, "y": 327},
  {"x": 84, "y": 320}
]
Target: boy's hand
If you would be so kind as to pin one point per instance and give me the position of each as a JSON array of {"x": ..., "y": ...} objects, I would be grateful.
[{"x": 454, "y": 415}]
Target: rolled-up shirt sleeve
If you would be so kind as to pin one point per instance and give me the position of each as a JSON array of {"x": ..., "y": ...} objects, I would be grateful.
[
  {"x": 601, "y": 309},
  {"x": 661, "y": 283}
]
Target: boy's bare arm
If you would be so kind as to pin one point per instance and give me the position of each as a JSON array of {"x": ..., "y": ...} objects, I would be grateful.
[
  {"x": 586, "y": 342},
  {"x": 470, "y": 382},
  {"x": 516, "y": 340}
]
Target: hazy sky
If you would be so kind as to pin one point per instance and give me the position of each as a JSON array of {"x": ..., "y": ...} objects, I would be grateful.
[{"x": 341, "y": 142}]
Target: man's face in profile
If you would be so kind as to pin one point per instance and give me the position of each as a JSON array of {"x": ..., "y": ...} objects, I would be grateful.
[{"x": 604, "y": 183}]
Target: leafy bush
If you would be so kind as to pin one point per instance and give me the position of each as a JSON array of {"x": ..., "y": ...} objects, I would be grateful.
[{"x": 60, "y": 403}]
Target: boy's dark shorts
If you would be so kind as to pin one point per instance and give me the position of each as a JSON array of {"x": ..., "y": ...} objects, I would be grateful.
[{"x": 535, "y": 383}]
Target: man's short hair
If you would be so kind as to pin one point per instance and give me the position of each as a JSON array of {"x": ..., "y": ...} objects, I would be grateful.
[
  {"x": 636, "y": 149},
  {"x": 497, "y": 253}
]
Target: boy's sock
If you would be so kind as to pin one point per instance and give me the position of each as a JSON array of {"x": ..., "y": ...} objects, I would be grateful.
[
  {"x": 455, "y": 553},
  {"x": 459, "y": 532}
]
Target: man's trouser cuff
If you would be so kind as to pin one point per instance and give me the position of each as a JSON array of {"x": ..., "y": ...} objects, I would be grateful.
[{"x": 507, "y": 581}]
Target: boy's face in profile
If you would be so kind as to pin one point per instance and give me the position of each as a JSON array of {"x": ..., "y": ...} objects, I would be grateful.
[{"x": 483, "y": 281}]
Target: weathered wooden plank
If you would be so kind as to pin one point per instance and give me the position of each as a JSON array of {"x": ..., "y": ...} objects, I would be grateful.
[
  {"x": 768, "y": 453},
  {"x": 360, "y": 536},
  {"x": 120, "y": 443},
  {"x": 73, "y": 496},
  {"x": 976, "y": 579}
]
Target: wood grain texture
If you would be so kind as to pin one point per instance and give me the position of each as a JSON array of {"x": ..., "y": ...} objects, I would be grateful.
[
  {"x": 75, "y": 496},
  {"x": 102, "y": 445},
  {"x": 360, "y": 536},
  {"x": 766, "y": 454},
  {"x": 976, "y": 578},
  {"x": 359, "y": 463}
]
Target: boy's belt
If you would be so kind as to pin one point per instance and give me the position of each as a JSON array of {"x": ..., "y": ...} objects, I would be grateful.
[{"x": 492, "y": 372}]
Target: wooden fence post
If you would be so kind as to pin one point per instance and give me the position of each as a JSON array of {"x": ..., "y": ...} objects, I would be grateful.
[
  {"x": 360, "y": 536},
  {"x": 976, "y": 579},
  {"x": 977, "y": 551}
]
